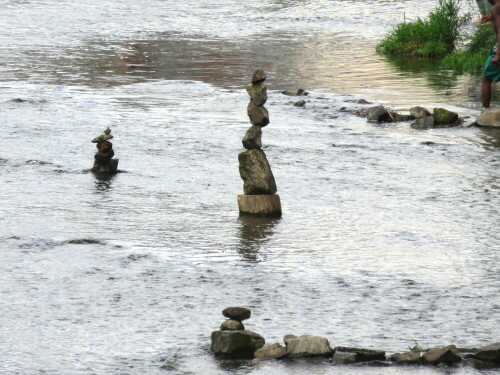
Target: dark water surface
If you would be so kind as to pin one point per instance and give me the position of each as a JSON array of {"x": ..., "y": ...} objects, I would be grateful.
[{"x": 389, "y": 234}]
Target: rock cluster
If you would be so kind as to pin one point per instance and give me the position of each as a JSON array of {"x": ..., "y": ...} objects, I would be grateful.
[
  {"x": 259, "y": 186},
  {"x": 103, "y": 159},
  {"x": 233, "y": 341}
]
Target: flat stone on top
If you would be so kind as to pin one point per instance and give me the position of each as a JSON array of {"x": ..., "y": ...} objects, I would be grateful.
[{"x": 237, "y": 313}]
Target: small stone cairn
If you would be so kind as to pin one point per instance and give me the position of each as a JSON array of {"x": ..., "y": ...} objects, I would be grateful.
[
  {"x": 103, "y": 159},
  {"x": 233, "y": 341},
  {"x": 259, "y": 186}
]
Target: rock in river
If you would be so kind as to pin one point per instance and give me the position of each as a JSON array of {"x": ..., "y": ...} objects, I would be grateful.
[{"x": 236, "y": 344}]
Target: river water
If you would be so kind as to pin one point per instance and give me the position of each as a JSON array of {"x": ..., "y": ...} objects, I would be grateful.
[{"x": 388, "y": 234}]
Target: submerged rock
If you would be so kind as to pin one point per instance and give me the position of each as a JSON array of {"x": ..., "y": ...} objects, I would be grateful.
[
  {"x": 300, "y": 103},
  {"x": 448, "y": 354},
  {"x": 256, "y": 173},
  {"x": 423, "y": 123},
  {"x": 308, "y": 346},
  {"x": 343, "y": 358},
  {"x": 236, "y": 344},
  {"x": 299, "y": 92}
]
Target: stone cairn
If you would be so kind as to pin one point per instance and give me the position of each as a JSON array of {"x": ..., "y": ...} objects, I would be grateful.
[
  {"x": 103, "y": 159},
  {"x": 259, "y": 186},
  {"x": 233, "y": 341}
]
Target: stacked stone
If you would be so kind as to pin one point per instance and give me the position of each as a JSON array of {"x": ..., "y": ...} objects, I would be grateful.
[
  {"x": 259, "y": 186},
  {"x": 103, "y": 159},
  {"x": 233, "y": 341}
]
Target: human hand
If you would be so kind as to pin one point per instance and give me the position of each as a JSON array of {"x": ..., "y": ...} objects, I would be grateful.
[{"x": 485, "y": 19}]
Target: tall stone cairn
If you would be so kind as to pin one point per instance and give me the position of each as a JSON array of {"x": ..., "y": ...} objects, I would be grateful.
[{"x": 259, "y": 186}]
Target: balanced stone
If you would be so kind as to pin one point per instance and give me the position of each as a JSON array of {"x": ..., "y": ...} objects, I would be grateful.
[
  {"x": 443, "y": 116},
  {"x": 232, "y": 325},
  {"x": 258, "y": 115},
  {"x": 308, "y": 346},
  {"x": 448, "y": 354},
  {"x": 258, "y": 76},
  {"x": 258, "y": 93},
  {"x": 253, "y": 138},
  {"x": 236, "y": 344},
  {"x": 256, "y": 173},
  {"x": 237, "y": 313}
]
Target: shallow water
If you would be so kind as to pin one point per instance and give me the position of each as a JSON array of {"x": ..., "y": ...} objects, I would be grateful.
[{"x": 389, "y": 234}]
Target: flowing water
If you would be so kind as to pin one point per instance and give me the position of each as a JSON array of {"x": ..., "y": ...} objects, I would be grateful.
[{"x": 388, "y": 235}]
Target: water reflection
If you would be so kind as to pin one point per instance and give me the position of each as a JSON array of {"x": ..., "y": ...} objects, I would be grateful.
[
  {"x": 103, "y": 182},
  {"x": 492, "y": 136},
  {"x": 254, "y": 232}
]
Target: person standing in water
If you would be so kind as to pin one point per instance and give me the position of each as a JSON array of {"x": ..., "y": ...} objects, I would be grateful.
[{"x": 491, "y": 71}]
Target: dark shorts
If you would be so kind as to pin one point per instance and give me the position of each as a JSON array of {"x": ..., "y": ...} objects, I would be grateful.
[{"x": 491, "y": 71}]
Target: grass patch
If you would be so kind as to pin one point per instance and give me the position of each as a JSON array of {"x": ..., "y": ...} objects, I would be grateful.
[{"x": 435, "y": 36}]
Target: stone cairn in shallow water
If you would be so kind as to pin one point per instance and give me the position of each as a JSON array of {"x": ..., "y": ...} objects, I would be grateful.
[
  {"x": 233, "y": 341},
  {"x": 103, "y": 159},
  {"x": 259, "y": 186}
]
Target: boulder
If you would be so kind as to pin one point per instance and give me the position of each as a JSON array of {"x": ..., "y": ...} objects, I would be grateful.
[
  {"x": 362, "y": 355},
  {"x": 256, "y": 173},
  {"x": 253, "y": 138},
  {"x": 489, "y": 352},
  {"x": 232, "y": 325},
  {"x": 489, "y": 118},
  {"x": 258, "y": 93},
  {"x": 237, "y": 313},
  {"x": 443, "y": 116},
  {"x": 257, "y": 115},
  {"x": 308, "y": 346},
  {"x": 448, "y": 354},
  {"x": 273, "y": 351},
  {"x": 419, "y": 112},
  {"x": 423, "y": 123},
  {"x": 407, "y": 358},
  {"x": 343, "y": 358},
  {"x": 258, "y": 76},
  {"x": 378, "y": 114},
  {"x": 236, "y": 344},
  {"x": 300, "y": 103}
]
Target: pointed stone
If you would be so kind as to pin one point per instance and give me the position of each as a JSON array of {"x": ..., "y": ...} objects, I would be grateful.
[
  {"x": 256, "y": 173},
  {"x": 253, "y": 138}
]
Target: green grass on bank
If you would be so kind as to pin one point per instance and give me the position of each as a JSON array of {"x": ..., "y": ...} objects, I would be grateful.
[{"x": 439, "y": 35}]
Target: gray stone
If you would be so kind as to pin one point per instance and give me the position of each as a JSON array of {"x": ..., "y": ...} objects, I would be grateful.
[
  {"x": 489, "y": 118},
  {"x": 489, "y": 352},
  {"x": 258, "y": 76},
  {"x": 448, "y": 354},
  {"x": 232, "y": 325},
  {"x": 237, "y": 313},
  {"x": 300, "y": 103},
  {"x": 258, "y": 115},
  {"x": 419, "y": 112},
  {"x": 343, "y": 358},
  {"x": 236, "y": 344},
  {"x": 309, "y": 346},
  {"x": 378, "y": 114},
  {"x": 298, "y": 92},
  {"x": 273, "y": 351},
  {"x": 407, "y": 358},
  {"x": 256, "y": 173},
  {"x": 258, "y": 93},
  {"x": 363, "y": 355},
  {"x": 423, "y": 123},
  {"x": 287, "y": 338},
  {"x": 253, "y": 138},
  {"x": 443, "y": 116}
]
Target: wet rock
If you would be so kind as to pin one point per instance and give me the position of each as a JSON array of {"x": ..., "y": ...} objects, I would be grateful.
[
  {"x": 256, "y": 173},
  {"x": 258, "y": 115},
  {"x": 423, "y": 123},
  {"x": 448, "y": 354},
  {"x": 362, "y": 355},
  {"x": 258, "y": 93},
  {"x": 258, "y": 76},
  {"x": 308, "y": 346},
  {"x": 489, "y": 118},
  {"x": 343, "y": 358},
  {"x": 443, "y": 116},
  {"x": 103, "y": 159},
  {"x": 236, "y": 344},
  {"x": 253, "y": 138},
  {"x": 237, "y": 313},
  {"x": 419, "y": 112},
  {"x": 299, "y": 92},
  {"x": 363, "y": 101},
  {"x": 407, "y": 358},
  {"x": 378, "y": 114},
  {"x": 273, "y": 351},
  {"x": 300, "y": 103},
  {"x": 489, "y": 352},
  {"x": 232, "y": 325}
]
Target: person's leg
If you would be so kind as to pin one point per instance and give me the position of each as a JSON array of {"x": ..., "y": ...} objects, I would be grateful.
[{"x": 486, "y": 92}]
